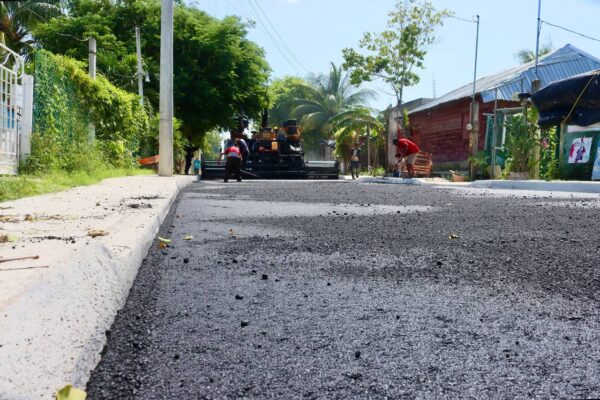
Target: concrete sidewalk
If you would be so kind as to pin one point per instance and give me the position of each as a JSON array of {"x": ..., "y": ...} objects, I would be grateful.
[
  {"x": 547, "y": 186},
  {"x": 55, "y": 310}
]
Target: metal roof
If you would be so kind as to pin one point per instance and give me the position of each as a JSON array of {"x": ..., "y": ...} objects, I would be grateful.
[{"x": 559, "y": 64}]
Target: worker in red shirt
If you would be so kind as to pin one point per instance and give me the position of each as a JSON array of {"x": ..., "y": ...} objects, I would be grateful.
[
  {"x": 408, "y": 150},
  {"x": 233, "y": 161}
]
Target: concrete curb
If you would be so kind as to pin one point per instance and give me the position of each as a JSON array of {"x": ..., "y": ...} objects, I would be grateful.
[
  {"x": 546, "y": 186},
  {"x": 53, "y": 332}
]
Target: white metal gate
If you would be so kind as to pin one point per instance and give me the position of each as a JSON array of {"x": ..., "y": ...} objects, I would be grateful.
[{"x": 11, "y": 108}]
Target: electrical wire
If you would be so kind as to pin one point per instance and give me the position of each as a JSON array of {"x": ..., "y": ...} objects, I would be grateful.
[
  {"x": 570, "y": 30},
  {"x": 73, "y": 37},
  {"x": 273, "y": 40},
  {"x": 594, "y": 76},
  {"x": 462, "y": 19},
  {"x": 280, "y": 38}
]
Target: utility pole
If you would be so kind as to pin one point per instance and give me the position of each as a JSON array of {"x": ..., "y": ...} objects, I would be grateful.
[
  {"x": 140, "y": 73},
  {"x": 474, "y": 111},
  {"x": 92, "y": 72},
  {"x": 165, "y": 166},
  {"x": 537, "y": 41}
]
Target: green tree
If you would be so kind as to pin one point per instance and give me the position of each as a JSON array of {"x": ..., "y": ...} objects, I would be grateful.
[
  {"x": 326, "y": 97},
  {"x": 17, "y": 18},
  {"x": 211, "y": 143},
  {"x": 281, "y": 93},
  {"x": 527, "y": 55},
  {"x": 351, "y": 124},
  {"x": 218, "y": 72},
  {"x": 394, "y": 54}
]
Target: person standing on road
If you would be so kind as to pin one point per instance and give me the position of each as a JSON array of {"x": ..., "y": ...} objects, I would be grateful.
[
  {"x": 355, "y": 161},
  {"x": 408, "y": 150},
  {"x": 196, "y": 166},
  {"x": 233, "y": 161},
  {"x": 243, "y": 146}
]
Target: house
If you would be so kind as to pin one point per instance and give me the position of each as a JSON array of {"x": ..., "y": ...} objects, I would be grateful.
[{"x": 440, "y": 126}]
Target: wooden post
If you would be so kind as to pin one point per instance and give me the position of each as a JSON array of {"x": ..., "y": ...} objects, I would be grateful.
[{"x": 474, "y": 138}]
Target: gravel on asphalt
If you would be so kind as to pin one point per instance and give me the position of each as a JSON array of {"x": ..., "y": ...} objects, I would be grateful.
[{"x": 338, "y": 290}]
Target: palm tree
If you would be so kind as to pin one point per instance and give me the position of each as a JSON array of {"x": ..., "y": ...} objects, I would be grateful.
[
  {"x": 17, "y": 18},
  {"x": 327, "y": 96},
  {"x": 348, "y": 126},
  {"x": 526, "y": 55}
]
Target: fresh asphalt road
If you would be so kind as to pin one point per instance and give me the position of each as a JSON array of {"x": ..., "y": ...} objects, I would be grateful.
[{"x": 339, "y": 290}]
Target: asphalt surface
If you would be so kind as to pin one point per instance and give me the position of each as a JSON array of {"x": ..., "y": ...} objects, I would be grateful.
[{"x": 338, "y": 290}]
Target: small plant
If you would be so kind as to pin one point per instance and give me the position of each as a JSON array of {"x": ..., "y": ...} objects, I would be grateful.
[
  {"x": 480, "y": 161},
  {"x": 520, "y": 142}
]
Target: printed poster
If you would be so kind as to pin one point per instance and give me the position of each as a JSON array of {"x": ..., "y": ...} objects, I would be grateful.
[
  {"x": 579, "y": 153},
  {"x": 596, "y": 169}
]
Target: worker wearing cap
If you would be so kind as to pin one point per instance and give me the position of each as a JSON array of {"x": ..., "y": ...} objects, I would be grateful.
[
  {"x": 233, "y": 161},
  {"x": 408, "y": 150}
]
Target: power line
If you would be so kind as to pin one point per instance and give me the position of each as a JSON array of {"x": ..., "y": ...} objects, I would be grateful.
[
  {"x": 272, "y": 38},
  {"x": 570, "y": 30},
  {"x": 462, "y": 19},
  {"x": 280, "y": 38},
  {"x": 72, "y": 37}
]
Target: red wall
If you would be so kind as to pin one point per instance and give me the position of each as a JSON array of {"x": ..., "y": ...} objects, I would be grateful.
[{"x": 442, "y": 130}]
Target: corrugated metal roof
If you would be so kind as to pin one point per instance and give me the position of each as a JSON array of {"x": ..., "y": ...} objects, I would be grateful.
[{"x": 560, "y": 64}]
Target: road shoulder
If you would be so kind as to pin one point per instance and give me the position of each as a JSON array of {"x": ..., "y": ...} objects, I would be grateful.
[{"x": 53, "y": 318}]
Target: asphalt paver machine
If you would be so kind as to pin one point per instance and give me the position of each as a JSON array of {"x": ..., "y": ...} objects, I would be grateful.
[{"x": 274, "y": 153}]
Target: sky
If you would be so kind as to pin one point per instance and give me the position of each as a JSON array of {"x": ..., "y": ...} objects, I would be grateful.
[{"x": 304, "y": 36}]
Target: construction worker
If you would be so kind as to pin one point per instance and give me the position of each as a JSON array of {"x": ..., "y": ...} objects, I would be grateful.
[
  {"x": 233, "y": 162},
  {"x": 355, "y": 160},
  {"x": 408, "y": 150}
]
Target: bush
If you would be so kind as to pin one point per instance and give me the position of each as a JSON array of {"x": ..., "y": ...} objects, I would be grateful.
[{"x": 66, "y": 101}]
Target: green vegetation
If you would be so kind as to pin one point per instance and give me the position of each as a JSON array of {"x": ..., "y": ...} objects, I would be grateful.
[
  {"x": 526, "y": 55},
  {"x": 19, "y": 17},
  {"x": 322, "y": 98},
  {"x": 549, "y": 165},
  {"x": 66, "y": 101},
  {"x": 349, "y": 126},
  {"x": 395, "y": 53},
  {"x": 281, "y": 95},
  {"x": 32, "y": 185},
  {"x": 521, "y": 140},
  {"x": 218, "y": 72}
]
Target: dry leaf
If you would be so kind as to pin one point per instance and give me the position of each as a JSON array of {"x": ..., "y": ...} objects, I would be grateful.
[
  {"x": 97, "y": 232},
  {"x": 8, "y": 218},
  {"x": 162, "y": 245},
  {"x": 8, "y": 238}
]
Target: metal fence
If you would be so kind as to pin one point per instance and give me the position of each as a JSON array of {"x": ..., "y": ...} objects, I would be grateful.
[{"x": 11, "y": 109}]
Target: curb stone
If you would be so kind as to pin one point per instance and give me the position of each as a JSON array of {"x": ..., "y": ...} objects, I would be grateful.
[{"x": 53, "y": 331}]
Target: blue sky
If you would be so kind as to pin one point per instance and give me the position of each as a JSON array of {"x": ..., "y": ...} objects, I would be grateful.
[{"x": 316, "y": 31}]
